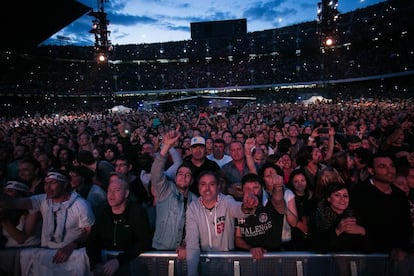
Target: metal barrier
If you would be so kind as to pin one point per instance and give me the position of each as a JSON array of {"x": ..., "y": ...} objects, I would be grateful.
[{"x": 235, "y": 263}]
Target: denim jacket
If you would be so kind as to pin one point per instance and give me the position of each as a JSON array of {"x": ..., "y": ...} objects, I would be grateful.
[{"x": 170, "y": 210}]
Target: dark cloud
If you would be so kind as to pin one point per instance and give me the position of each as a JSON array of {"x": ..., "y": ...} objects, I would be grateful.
[
  {"x": 115, "y": 5},
  {"x": 77, "y": 31},
  {"x": 129, "y": 20},
  {"x": 259, "y": 11},
  {"x": 125, "y": 19},
  {"x": 173, "y": 27},
  {"x": 220, "y": 16},
  {"x": 207, "y": 17},
  {"x": 119, "y": 35},
  {"x": 268, "y": 11}
]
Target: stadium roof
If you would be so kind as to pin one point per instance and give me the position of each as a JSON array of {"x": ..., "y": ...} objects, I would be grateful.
[{"x": 28, "y": 23}]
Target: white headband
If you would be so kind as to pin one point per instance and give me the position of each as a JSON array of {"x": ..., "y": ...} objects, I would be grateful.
[
  {"x": 57, "y": 176},
  {"x": 18, "y": 186}
]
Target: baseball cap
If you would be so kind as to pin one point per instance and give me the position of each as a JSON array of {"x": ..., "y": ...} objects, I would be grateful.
[
  {"x": 198, "y": 140},
  {"x": 18, "y": 186}
]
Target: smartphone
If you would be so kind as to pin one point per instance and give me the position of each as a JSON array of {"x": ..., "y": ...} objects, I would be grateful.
[{"x": 323, "y": 130}]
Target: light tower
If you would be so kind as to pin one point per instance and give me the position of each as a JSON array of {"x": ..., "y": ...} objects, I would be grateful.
[
  {"x": 327, "y": 22},
  {"x": 103, "y": 46},
  {"x": 327, "y": 30}
]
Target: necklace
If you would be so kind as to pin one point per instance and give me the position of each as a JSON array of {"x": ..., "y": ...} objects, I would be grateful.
[{"x": 207, "y": 208}]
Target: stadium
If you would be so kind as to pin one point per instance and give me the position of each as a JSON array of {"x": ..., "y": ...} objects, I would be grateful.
[
  {"x": 372, "y": 55},
  {"x": 349, "y": 74}
]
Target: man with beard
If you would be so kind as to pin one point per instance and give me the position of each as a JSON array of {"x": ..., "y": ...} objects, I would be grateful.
[
  {"x": 263, "y": 231},
  {"x": 210, "y": 220},
  {"x": 219, "y": 156},
  {"x": 67, "y": 221},
  {"x": 173, "y": 197},
  {"x": 384, "y": 210},
  {"x": 198, "y": 161}
]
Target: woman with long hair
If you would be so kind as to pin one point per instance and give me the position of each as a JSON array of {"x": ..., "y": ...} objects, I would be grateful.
[
  {"x": 285, "y": 162},
  {"x": 335, "y": 226},
  {"x": 299, "y": 185}
]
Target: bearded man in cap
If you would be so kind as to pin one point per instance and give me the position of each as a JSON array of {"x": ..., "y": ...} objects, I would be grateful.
[
  {"x": 198, "y": 161},
  {"x": 67, "y": 221}
]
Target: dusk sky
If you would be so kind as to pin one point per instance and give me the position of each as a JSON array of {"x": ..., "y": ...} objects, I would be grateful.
[{"x": 151, "y": 21}]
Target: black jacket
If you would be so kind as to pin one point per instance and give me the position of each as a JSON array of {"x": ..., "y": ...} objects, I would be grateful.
[
  {"x": 322, "y": 225},
  {"x": 386, "y": 217},
  {"x": 129, "y": 232}
]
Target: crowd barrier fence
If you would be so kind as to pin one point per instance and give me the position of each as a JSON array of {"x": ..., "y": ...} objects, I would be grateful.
[{"x": 235, "y": 263}]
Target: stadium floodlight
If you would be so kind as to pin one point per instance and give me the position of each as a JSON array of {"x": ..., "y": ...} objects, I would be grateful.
[
  {"x": 101, "y": 58},
  {"x": 103, "y": 45},
  {"x": 329, "y": 41},
  {"x": 327, "y": 17}
]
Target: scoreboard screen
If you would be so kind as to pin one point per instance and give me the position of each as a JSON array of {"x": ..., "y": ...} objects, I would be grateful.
[{"x": 219, "y": 29}]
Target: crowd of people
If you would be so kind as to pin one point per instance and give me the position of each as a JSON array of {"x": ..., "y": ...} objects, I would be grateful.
[
  {"x": 84, "y": 190},
  {"x": 90, "y": 191}
]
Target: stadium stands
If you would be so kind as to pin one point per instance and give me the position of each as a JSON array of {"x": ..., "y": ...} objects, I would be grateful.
[{"x": 374, "y": 50}]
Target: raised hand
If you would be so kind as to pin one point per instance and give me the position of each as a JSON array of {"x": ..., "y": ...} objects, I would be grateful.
[
  {"x": 171, "y": 137},
  {"x": 249, "y": 145},
  {"x": 250, "y": 202},
  {"x": 169, "y": 140}
]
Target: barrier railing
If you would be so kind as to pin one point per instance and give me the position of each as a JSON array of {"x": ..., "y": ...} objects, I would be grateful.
[{"x": 235, "y": 263}]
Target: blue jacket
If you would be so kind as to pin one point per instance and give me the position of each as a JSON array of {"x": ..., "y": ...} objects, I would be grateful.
[{"x": 170, "y": 210}]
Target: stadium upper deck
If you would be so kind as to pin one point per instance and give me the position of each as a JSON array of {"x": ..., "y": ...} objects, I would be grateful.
[{"x": 375, "y": 42}]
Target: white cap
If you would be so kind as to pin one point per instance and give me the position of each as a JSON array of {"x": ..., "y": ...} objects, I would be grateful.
[{"x": 198, "y": 140}]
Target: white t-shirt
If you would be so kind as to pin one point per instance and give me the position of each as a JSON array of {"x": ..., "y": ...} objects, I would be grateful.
[{"x": 226, "y": 159}]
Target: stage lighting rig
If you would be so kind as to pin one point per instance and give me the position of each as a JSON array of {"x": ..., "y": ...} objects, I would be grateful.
[
  {"x": 103, "y": 46},
  {"x": 327, "y": 30},
  {"x": 327, "y": 18}
]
